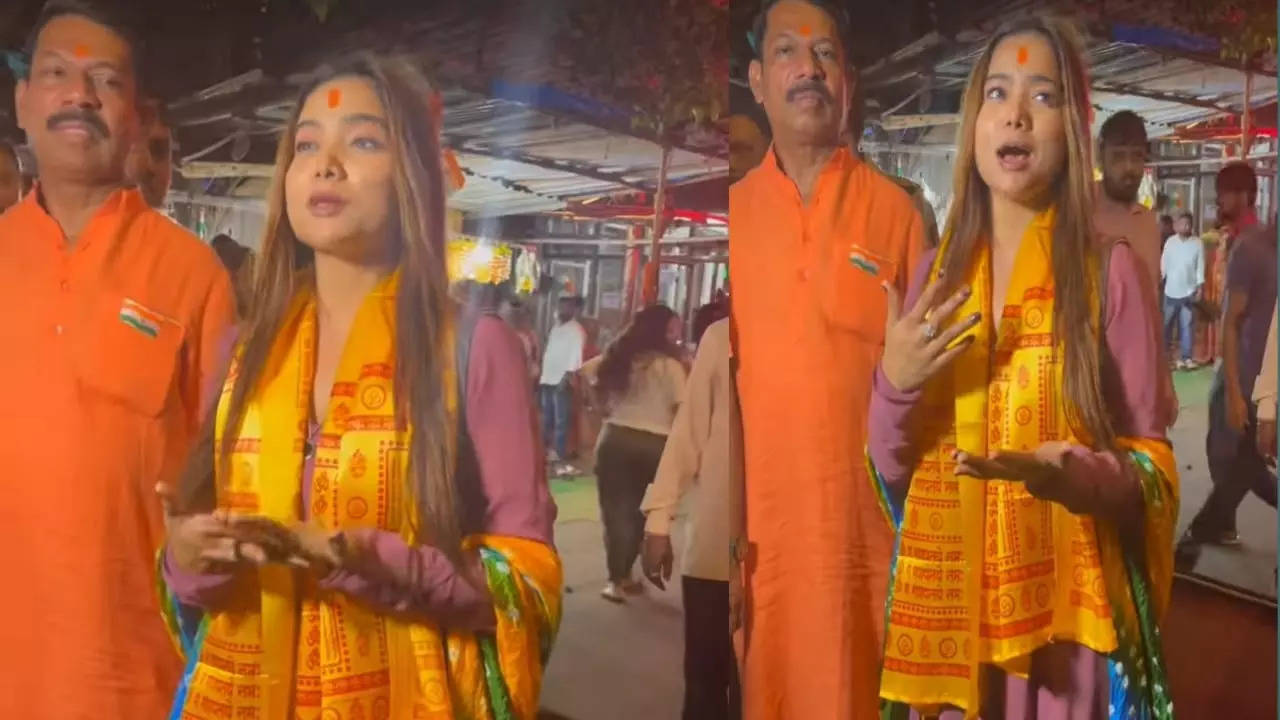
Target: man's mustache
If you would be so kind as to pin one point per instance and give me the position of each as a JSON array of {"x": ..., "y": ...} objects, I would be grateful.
[
  {"x": 815, "y": 87},
  {"x": 86, "y": 117}
]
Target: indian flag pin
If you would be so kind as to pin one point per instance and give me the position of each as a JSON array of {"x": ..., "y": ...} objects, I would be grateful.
[{"x": 135, "y": 317}]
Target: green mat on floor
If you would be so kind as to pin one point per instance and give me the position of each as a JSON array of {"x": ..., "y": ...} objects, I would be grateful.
[
  {"x": 575, "y": 498},
  {"x": 1193, "y": 386}
]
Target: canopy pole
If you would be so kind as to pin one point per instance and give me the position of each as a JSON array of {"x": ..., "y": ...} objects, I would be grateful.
[{"x": 659, "y": 229}]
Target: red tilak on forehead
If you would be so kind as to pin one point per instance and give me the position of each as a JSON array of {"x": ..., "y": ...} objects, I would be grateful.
[
  {"x": 335, "y": 97},
  {"x": 805, "y": 31},
  {"x": 81, "y": 51},
  {"x": 1022, "y": 54}
]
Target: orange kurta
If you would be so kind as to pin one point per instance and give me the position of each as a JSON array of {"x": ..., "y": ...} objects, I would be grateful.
[
  {"x": 107, "y": 350},
  {"x": 809, "y": 313}
]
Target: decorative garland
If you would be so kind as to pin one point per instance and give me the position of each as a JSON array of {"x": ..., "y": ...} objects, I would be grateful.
[{"x": 487, "y": 263}]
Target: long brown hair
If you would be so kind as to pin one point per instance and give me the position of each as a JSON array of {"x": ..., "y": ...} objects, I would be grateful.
[
  {"x": 424, "y": 311},
  {"x": 646, "y": 335},
  {"x": 1073, "y": 252}
]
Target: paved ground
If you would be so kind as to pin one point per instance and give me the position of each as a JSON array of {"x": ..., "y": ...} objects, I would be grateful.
[
  {"x": 610, "y": 662},
  {"x": 624, "y": 662},
  {"x": 1249, "y": 566}
]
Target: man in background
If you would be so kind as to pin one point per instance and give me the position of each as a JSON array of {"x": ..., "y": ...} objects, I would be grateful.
[
  {"x": 1236, "y": 465},
  {"x": 10, "y": 176},
  {"x": 695, "y": 463},
  {"x": 238, "y": 260},
  {"x": 116, "y": 338},
  {"x": 516, "y": 314},
  {"x": 1119, "y": 216},
  {"x": 1182, "y": 269},
  {"x": 747, "y": 145},
  {"x": 563, "y": 357},
  {"x": 150, "y": 165},
  {"x": 817, "y": 235},
  {"x": 1166, "y": 227}
]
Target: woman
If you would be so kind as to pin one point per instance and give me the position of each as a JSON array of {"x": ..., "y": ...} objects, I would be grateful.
[
  {"x": 370, "y": 533},
  {"x": 639, "y": 382},
  {"x": 1024, "y": 465}
]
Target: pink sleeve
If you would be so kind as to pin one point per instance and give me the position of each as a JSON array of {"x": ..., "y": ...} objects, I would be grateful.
[
  {"x": 513, "y": 497},
  {"x": 1100, "y": 483},
  {"x": 396, "y": 578},
  {"x": 888, "y": 432},
  {"x": 196, "y": 589}
]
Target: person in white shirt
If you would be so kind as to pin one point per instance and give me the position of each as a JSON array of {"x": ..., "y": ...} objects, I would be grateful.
[
  {"x": 561, "y": 359},
  {"x": 1182, "y": 269},
  {"x": 695, "y": 470},
  {"x": 639, "y": 382}
]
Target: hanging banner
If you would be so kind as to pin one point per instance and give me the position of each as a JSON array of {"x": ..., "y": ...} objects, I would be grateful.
[{"x": 528, "y": 271}]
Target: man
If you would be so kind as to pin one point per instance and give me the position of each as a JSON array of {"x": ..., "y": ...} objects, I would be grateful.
[
  {"x": 1235, "y": 464},
  {"x": 516, "y": 314},
  {"x": 115, "y": 337},
  {"x": 1166, "y": 226},
  {"x": 706, "y": 316},
  {"x": 10, "y": 176},
  {"x": 1119, "y": 216},
  {"x": 238, "y": 261},
  {"x": 562, "y": 358},
  {"x": 747, "y": 145},
  {"x": 816, "y": 234},
  {"x": 695, "y": 462},
  {"x": 150, "y": 165},
  {"x": 1182, "y": 269}
]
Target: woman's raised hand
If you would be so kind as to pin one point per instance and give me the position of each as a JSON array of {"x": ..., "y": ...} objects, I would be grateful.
[{"x": 915, "y": 344}]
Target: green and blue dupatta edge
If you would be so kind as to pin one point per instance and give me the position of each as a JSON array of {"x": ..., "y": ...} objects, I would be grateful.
[
  {"x": 187, "y": 626},
  {"x": 1136, "y": 672}
]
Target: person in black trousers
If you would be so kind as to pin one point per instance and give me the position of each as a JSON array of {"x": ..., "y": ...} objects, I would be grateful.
[{"x": 639, "y": 382}]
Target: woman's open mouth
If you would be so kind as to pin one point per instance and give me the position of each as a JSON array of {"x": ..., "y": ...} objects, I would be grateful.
[{"x": 1014, "y": 157}]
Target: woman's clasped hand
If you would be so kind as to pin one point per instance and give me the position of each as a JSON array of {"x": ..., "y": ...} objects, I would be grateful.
[{"x": 219, "y": 541}]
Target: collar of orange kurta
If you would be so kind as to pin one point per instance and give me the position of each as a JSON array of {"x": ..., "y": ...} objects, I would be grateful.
[
  {"x": 119, "y": 207},
  {"x": 841, "y": 162}
]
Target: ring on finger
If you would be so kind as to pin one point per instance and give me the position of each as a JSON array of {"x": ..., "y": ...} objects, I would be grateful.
[{"x": 930, "y": 331}]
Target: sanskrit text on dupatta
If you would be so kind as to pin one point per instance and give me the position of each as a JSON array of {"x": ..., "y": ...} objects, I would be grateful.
[
  {"x": 284, "y": 649},
  {"x": 985, "y": 572}
]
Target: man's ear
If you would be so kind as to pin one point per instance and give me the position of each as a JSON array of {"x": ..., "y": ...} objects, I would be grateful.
[{"x": 755, "y": 78}]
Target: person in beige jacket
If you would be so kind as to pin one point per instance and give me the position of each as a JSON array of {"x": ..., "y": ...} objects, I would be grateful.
[
  {"x": 1264, "y": 395},
  {"x": 695, "y": 469}
]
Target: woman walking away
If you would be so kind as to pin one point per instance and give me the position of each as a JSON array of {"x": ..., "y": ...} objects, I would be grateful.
[
  {"x": 1015, "y": 433},
  {"x": 639, "y": 382},
  {"x": 370, "y": 530}
]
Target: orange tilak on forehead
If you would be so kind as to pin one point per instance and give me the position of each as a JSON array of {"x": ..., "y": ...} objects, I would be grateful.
[
  {"x": 1022, "y": 54},
  {"x": 805, "y": 30},
  {"x": 335, "y": 97},
  {"x": 81, "y": 51}
]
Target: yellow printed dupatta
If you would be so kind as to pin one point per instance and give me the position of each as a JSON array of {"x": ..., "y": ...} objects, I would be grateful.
[
  {"x": 282, "y": 649},
  {"x": 985, "y": 573}
]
